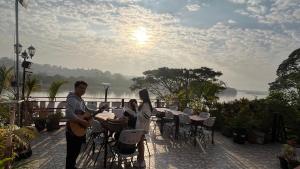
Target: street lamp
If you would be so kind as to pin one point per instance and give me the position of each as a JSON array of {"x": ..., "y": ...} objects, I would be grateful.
[
  {"x": 31, "y": 51},
  {"x": 18, "y": 48},
  {"x": 26, "y": 65}
]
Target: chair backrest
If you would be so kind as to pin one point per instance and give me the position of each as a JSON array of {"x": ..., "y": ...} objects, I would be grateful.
[
  {"x": 116, "y": 104},
  {"x": 169, "y": 115},
  {"x": 184, "y": 119},
  {"x": 204, "y": 114},
  {"x": 154, "y": 112},
  {"x": 131, "y": 137},
  {"x": 173, "y": 107},
  {"x": 188, "y": 111},
  {"x": 210, "y": 122},
  {"x": 118, "y": 112},
  {"x": 92, "y": 105},
  {"x": 96, "y": 126},
  {"x": 114, "y": 126}
]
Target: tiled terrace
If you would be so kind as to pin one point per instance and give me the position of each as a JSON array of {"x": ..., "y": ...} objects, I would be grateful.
[{"x": 50, "y": 149}]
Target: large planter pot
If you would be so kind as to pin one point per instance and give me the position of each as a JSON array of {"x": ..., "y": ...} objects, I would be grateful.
[
  {"x": 258, "y": 137},
  {"x": 239, "y": 135},
  {"x": 227, "y": 131},
  {"x": 52, "y": 124},
  {"x": 24, "y": 154},
  {"x": 283, "y": 163},
  {"x": 40, "y": 124}
]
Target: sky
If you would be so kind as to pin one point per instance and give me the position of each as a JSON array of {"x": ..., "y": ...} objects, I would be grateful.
[{"x": 244, "y": 39}]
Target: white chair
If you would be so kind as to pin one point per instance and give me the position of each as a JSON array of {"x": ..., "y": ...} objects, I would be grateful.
[
  {"x": 95, "y": 137},
  {"x": 204, "y": 114},
  {"x": 168, "y": 121},
  {"x": 92, "y": 105},
  {"x": 184, "y": 124},
  {"x": 207, "y": 129},
  {"x": 154, "y": 119},
  {"x": 127, "y": 138},
  {"x": 188, "y": 111},
  {"x": 173, "y": 107}
]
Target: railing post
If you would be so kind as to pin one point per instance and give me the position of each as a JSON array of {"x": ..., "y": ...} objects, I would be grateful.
[
  {"x": 157, "y": 103},
  {"x": 123, "y": 104}
]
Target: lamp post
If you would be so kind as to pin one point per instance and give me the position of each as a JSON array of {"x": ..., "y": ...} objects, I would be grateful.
[
  {"x": 106, "y": 87},
  {"x": 187, "y": 74},
  {"x": 26, "y": 65},
  {"x": 18, "y": 49}
]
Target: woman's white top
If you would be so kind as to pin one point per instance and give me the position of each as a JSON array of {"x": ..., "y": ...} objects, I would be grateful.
[{"x": 143, "y": 118}]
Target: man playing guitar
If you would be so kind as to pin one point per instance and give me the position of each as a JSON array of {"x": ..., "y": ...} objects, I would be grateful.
[{"x": 75, "y": 110}]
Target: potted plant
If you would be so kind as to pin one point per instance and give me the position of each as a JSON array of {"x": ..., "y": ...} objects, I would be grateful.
[
  {"x": 289, "y": 159},
  {"x": 240, "y": 128},
  {"x": 52, "y": 122},
  {"x": 40, "y": 119}
]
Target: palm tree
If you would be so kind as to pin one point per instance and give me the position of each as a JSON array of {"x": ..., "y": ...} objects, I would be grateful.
[
  {"x": 5, "y": 77},
  {"x": 54, "y": 87},
  {"x": 32, "y": 85}
]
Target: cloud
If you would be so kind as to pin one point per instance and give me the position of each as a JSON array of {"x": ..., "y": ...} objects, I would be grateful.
[
  {"x": 238, "y": 1},
  {"x": 193, "y": 7},
  {"x": 272, "y": 12},
  {"x": 98, "y": 34},
  {"x": 231, "y": 21}
]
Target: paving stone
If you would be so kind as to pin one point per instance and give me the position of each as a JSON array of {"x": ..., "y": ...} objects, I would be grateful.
[{"x": 49, "y": 152}]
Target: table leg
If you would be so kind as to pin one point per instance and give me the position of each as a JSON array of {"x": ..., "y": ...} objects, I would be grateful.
[
  {"x": 195, "y": 135},
  {"x": 212, "y": 136},
  {"x": 161, "y": 126},
  {"x": 176, "y": 118},
  {"x": 105, "y": 147}
]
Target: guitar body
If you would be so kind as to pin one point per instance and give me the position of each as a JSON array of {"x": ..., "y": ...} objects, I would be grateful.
[{"x": 78, "y": 129}]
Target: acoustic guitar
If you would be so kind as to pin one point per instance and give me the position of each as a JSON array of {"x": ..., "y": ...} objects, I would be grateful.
[{"x": 78, "y": 129}]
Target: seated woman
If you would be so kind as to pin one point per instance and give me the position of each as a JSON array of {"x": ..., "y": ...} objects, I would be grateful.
[
  {"x": 128, "y": 120},
  {"x": 129, "y": 115}
]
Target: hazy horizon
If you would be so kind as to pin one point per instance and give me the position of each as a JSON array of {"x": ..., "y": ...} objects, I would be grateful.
[{"x": 244, "y": 39}]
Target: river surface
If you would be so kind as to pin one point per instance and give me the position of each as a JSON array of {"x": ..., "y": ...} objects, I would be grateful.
[{"x": 111, "y": 95}]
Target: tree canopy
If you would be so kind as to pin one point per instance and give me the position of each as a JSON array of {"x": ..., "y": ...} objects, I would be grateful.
[
  {"x": 171, "y": 82},
  {"x": 288, "y": 78}
]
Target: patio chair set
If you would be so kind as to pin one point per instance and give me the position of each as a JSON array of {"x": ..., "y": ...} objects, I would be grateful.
[
  {"x": 184, "y": 125},
  {"x": 113, "y": 139}
]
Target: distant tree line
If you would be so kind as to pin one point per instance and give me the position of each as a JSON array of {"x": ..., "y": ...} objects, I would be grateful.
[{"x": 46, "y": 74}]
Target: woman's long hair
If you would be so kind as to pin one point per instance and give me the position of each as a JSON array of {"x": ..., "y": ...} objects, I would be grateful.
[
  {"x": 144, "y": 96},
  {"x": 130, "y": 103}
]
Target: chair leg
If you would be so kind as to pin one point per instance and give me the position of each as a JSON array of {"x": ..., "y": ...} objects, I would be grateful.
[
  {"x": 111, "y": 163},
  {"x": 98, "y": 155},
  {"x": 147, "y": 147}
]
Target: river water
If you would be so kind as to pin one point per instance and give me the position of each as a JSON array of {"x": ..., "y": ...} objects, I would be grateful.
[{"x": 111, "y": 95}]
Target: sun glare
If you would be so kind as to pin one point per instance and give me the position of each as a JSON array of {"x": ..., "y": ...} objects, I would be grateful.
[{"x": 141, "y": 35}]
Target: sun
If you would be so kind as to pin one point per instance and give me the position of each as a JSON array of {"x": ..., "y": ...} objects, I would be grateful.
[{"x": 141, "y": 35}]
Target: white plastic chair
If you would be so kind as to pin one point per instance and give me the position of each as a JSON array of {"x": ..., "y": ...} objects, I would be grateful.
[
  {"x": 174, "y": 107},
  {"x": 204, "y": 114},
  {"x": 154, "y": 119},
  {"x": 188, "y": 111},
  {"x": 207, "y": 129},
  {"x": 95, "y": 137},
  {"x": 169, "y": 121},
  {"x": 92, "y": 105},
  {"x": 184, "y": 123},
  {"x": 127, "y": 137}
]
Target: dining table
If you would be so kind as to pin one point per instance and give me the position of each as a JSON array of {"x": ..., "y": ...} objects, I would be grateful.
[
  {"x": 103, "y": 118},
  {"x": 196, "y": 121}
]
